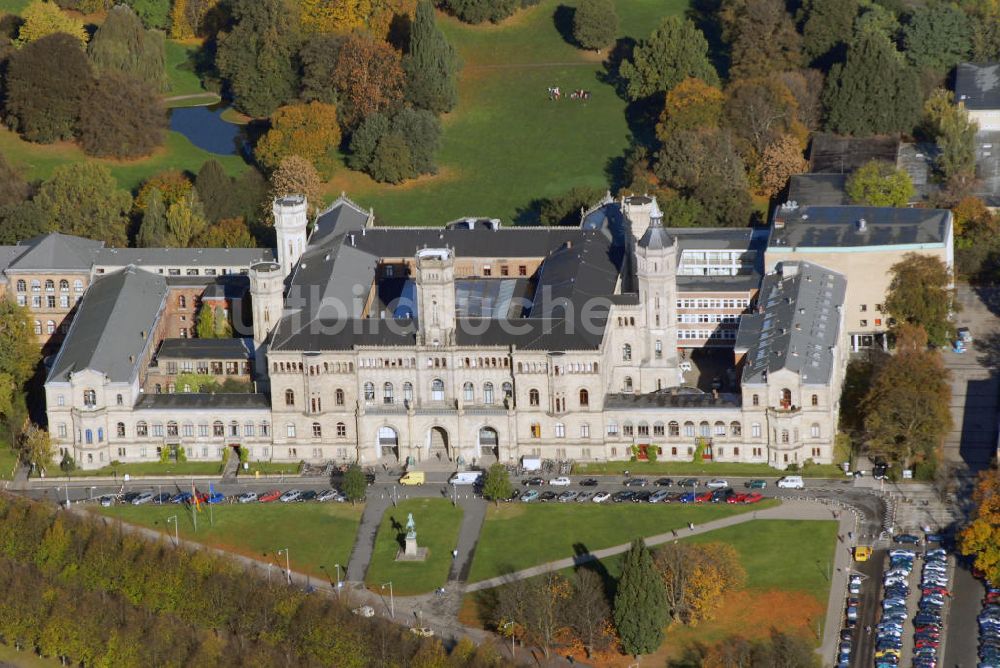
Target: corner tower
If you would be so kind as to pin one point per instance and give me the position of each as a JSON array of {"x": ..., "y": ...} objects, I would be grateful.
[
  {"x": 266, "y": 298},
  {"x": 435, "y": 280},
  {"x": 291, "y": 217},
  {"x": 656, "y": 271}
]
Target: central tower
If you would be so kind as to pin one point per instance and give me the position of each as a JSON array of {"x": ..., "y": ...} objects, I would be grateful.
[
  {"x": 291, "y": 217},
  {"x": 656, "y": 259},
  {"x": 435, "y": 281}
]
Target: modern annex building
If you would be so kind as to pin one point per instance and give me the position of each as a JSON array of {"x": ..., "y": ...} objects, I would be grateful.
[{"x": 474, "y": 342}]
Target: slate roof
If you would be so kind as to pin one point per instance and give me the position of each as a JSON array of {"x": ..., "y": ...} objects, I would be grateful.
[
  {"x": 681, "y": 397},
  {"x": 341, "y": 216},
  {"x": 835, "y": 154},
  {"x": 183, "y": 257},
  {"x": 203, "y": 401},
  {"x": 8, "y": 254},
  {"x": 839, "y": 227},
  {"x": 113, "y": 326},
  {"x": 818, "y": 189},
  {"x": 56, "y": 252},
  {"x": 796, "y": 324},
  {"x": 977, "y": 85},
  {"x": 200, "y": 349}
]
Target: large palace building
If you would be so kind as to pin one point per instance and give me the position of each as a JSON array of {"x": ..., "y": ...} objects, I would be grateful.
[{"x": 470, "y": 343}]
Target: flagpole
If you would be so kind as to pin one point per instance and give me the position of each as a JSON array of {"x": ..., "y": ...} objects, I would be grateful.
[{"x": 194, "y": 505}]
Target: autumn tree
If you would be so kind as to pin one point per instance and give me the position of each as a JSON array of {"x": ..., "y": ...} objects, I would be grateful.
[
  {"x": 949, "y": 126},
  {"x": 595, "y": 24},
  {"x": 295, "y": 176},
  {"x": 920, "y": 294},
  {"x": 907, "y": 409},
  {"x": 760, "y": 111},
  {"x": 690, "y": 105},
  {"x": 480, "y": 11},
  {"x": 172, "y": 184},
  {"x": 431, "y": 65},
  {"x": 307, "y": 130},
  {"x": 640, "y": 608},
  {"x": 195, "y": 18},
  {"x": 84, "y": 199},
  {"x": 321, "y": 16},
  {"x": 122, "y": 118},
  {"x": 695, "y": 577},
  {"x": 880, "y": 183},
  {"x": 676, "y": 50},
  {"x": 826, "y": 26},
  {"x": 14, "y": 188},
  {"x": 780, "y": 160},
  {"x": 35, "y": 447},
  {"x": 981, "y": 538},
  {"x": 496, "y": 484},
  {"x": 185, "y": 221},
  {"x": 761, "y": 35},
  {"x": 123, "y": 45},
  {"x": 588, "y": 613},
  {"x": 257, "y": 58},
  {"x": 19, "y": 356},
  {"x": 153, "y": 227},
  {"x": 227, "y": 233},
  {"x": 45, "y": 86},
  {"x": 41, "y": 19},
  {"x": 369, "y": 78}
]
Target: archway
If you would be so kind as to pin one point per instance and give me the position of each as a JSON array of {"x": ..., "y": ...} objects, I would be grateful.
[
  {"x": 489, "y": 446},
  {"x": 437, "y": 444},
  {"x": 388, "y": 444}
]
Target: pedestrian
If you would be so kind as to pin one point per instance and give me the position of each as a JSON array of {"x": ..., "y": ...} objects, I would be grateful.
[
  {"x": 850, "y": 535},
  {"x": 674, "y": 532},
  {"x": 454, "y": 554},
  {"x": 691, "y": 526},
  {"x": 840, "y": 538}
]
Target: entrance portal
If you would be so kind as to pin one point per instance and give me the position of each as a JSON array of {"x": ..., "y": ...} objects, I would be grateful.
[
  {"x": 437, "y": 444},
  {"x": 489, "y": 445},
  {"x": 388, "y": 444}
]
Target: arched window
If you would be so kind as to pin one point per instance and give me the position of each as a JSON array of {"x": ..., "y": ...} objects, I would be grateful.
[
  {"x": 658, "y": 429},
  {"x": 289, "y": 398},
  {"x": 50, "y": 285},
  {"x": 786, "y": 398},
  {"x": 784, "y": 436},
  {"x": 815, "y": 400},
  {"x": 100, "y": 434},
  {"x": 50, "y": 327},
  {"x": 533, "y": 397},
  {"x": 78, "y": 285},
  {"x": 643, "y": 429},
  {"x": 21, "y": 285},
  {"x": 627, "y": 386},
  {"x": 437, "y": 390},
  {"x": 38, "y": 327},
  {"x": 814, "y": 430},
  {"x": 627, "y": 352},
  {"x": 468, "y": 393},
  {"x": 120, "y": 429},
  {"x": 89, "y": 436},
  {"x": 119, "y": 400},
  {"x": 689, "y": 429},
  {"x": 407, "y": 391},
  {"x": 584, "y": 397},
  {"x": 89, "y": 398},
  {"x": 338, "y": 397},
  {"x": 341, "y": 430},
  {"x": 488, "y": 393},
  {"x": 369, "y": 391},
  {"x": 735, "y": 429},
  {"x": 141, "y": 429},
  {"x": 234, "y": 428},
  {"x": 388, "y": 394},
  {"x": 317, "y": 430},
  {"x": 704, "y": 429},
  {"x": 64, "y": 285},
  {"x": 673, "y": 429}
]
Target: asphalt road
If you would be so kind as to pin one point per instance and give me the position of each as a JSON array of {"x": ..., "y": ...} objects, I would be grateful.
[{"x": 961, "y": 636}]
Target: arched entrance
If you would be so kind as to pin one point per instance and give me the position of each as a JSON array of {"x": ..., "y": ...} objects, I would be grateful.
[
  {"x": 388, "y": 444},
  {"x": 437, "y": 444},
  {"x": 489, "y": 446}
]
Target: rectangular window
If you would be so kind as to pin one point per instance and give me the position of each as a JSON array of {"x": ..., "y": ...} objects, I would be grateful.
[
  {"x": 50, "y": 301},
  {"x": 522, "y": 270},
  {"x": 62, "y": 431},
  {"x": 290, "y": 431},
  {"x": 612, "y": 429},
  {"x": 864, "y": 323},
  {"x": 755, "y": 430},
  {"x": 864, "y": 308},
  {"x": 584, "y": 430},
  {"x": 560, "y": 430},
  {"x": 203, "y": 430}
]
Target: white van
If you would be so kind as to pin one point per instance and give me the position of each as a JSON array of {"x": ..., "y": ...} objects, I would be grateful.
[
  {"x": 791, "y": 482},
  {"x": 466, "y": 478},
  {"x": 531, "y": 463}
]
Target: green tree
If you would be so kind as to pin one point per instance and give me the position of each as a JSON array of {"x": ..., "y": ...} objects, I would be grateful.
[
  {"x": 35, "y": 447},
  {"x": 14, "y": 188},
  {"x": 223, "y": 330},
  {"x": 920, "y": 294},
  {"x": 319, "y": 56},
  {"x": 948, "y": 124},
  {"x": 393, "y": 160},
  {"x": 826, "y": 25},
  {"x": 45, "y": 85},
  {"x": 257, "y": 58},
  {"x": 67, "y": 464},
  {"x": 762, "y": 37},
  {"x": 122, "y": 45},
  {"x": 431, "y": 66},
  {"x": 479, "y": 11},
  {"x": 185, "y": 221},
  {"x": 565, "y": 209},
  {"x": 595, "y": 24},
  {"x": 496, "y": 484},
  {"x": 153, "y": 229},
  {"x": 121, "y": 118},
  {"x": 640, "y": 609},
  {"x": 354, "y": 485},
  {"x": 216, "y": 190},
  {"x": 677, "y": 49},
  {"x": 205, "y": 324},
  {"x": 396, "y": 149},
  {"x": 937, "y": 36},
  {"x": 41, "y": 19},
  {"x": 153, "y": 13},
  {"x": 880, "y": 183},
  {"x": 856, "y": 91},
  {"x": 83, "y": 198}
]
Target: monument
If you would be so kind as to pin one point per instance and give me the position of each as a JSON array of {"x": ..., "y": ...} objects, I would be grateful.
[{"x": 411, "y": 551}]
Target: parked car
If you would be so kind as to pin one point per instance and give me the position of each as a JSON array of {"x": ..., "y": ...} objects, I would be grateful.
[
  {"x": 308, "y": 495},
  {"x": 584, "y": 496},
  {"x": 290, "y": 496},
  {"x": 129, "y": 497},
  {"x": 530, "y": 495},
  {"x": 145, "y": 497},
  {"x": 753, "y": 497},
  {"x": 161, "y": 498},
  {"x": 623, "y": 495},
  {"x": 737, "y": 498},
  {"x": 791, "y": 482},
  {"x": 327, "y": 495},
  {"x": 601, "y": 497},
  {"x": 635, "y": 482},
  {"x": 641, "y": 496},
  {"x": 704, "y": 497},
  {"x": 364, "y": 611},
  {"x": 567, "y": 496},
  {"x": 588, "y": 482},
  {"x": 533, "y": 482},
  {"x": 547, "y": 496},
  {"x": 267, "y": 497},
  {"x": 755, "y": 484},
  {"x": 688, "y": 482},
  {"x": 717, "y": 483},
  {"x": 515, "y": 494},
  {"x": 664, "y": 482},
  {"x": 907, "y": 539},
  {"x": 107, "y": 501},
  {"x": 561, "y": 481},
  {"x": 215, "y": 497},
  {"x": 687, "y": 497},
  {"x": 722, "y": 495},
  {"x": 181, "y": 497},
  {"x": 659, "y": 496}
]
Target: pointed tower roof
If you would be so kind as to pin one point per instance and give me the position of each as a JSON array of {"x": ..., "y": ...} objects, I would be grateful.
[{"x": 655, "y": 238}]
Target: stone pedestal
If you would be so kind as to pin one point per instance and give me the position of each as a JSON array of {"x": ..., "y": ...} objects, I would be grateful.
[{"x": 412, "y": 552}]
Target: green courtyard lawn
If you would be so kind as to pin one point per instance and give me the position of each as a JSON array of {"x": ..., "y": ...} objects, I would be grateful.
[
  {"x": 506, "y": 144},
  {"x": 437, "y": 522},
  {"x": 213, "y": 468},
  {"x": 520, "y": 535},
  {"x": 705, "y": 469},
  {"x": 317, "y": 535}
]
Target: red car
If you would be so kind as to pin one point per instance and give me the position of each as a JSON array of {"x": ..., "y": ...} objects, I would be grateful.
[
  {"x": 737, "y": 498},
  {"x": 267, "y": 497},
  {"x": 927, "y": 643},
  {"x": 704, "y": 497},
  {"x": 936, "y": 590},
  {"x": 753, "y": 497}
]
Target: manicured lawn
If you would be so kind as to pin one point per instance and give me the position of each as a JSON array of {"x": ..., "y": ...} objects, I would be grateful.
[
  {"x": 154, "y": 469},
  {"x": 506, "y": 144},
  {"x": 316, "y": 534},
  {"x": 705, "y": 469},
  {"x": 521, "y": 535},
  {"x": 437, "y": 523},
  {"x": 8, "y": 458}
]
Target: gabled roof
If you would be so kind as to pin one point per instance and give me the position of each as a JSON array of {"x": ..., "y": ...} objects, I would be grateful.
[
  {"x": 845, "y": 227},
  {"x": 977, "y": 85},
  {"x": 343, "y": 215},
  {"x": 183, "y": 257},
  {"x": 57, "y": 252},
  {"x": 113, "y": 326}
]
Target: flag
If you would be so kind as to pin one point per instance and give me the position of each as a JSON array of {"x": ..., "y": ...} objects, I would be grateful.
[{"x": 197, "y": 501}]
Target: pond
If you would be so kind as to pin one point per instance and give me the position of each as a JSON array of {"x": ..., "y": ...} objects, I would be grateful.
[{"x": 206, "y": 129}]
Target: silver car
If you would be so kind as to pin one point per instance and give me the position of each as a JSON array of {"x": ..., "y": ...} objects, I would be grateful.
[
  {"x": 145, "y": 497},
  {"x": 247, "y": 497},
  {"x": 290, "y": 496}
]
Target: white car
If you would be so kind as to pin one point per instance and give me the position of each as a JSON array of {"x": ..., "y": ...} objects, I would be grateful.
[
  {"x": 145, "y": 497},
  {"x": 247, "y": 497},
  {"x": 791, "y": 482},
  {"x": 601, "y": 497},
  {"x": 328, "y": 495},
  {"x": 107, "y": 501},
  {"x": 364, "y": 611},
  {"x": 561, "y": 481},
  {"x": 718, "y": 483},
  {"x": 290, "y": 496}
]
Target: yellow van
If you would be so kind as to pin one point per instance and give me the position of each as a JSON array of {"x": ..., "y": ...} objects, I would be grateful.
[
  {"x": 412, "y": 478},
  {"x": 862, "y": 553}
]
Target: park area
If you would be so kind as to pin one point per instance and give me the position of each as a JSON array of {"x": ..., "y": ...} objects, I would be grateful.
[{"x": 317, "y": 535}]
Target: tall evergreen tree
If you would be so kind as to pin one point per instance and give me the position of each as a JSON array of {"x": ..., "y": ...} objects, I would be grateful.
[
  {"x": 258, "y": 57},
  {"x": 937, "y": 36},
  {"x": 677, "y": 49},
  {"x": 153, "y": 230},
  {"x": 873, "y": 92},
  {"x": 432, "y": 65},
  {"x": 595, "y": 24},
  {"x": 826, "y": 24},
  {"x": 215, "y": 189},
  {"x": 122, "y": 44},
  {"x": 640, "y": 602}
]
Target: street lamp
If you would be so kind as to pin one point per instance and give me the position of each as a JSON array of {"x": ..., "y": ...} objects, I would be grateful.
[
  {"x": 504, "y": 628},
  {"x": 177, "y": 536},
  {"x": 392, "y": 601},
  {"x": 288, "y": 565}
]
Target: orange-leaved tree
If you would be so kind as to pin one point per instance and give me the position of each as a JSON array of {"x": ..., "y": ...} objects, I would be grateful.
[
  {"x": 981, "y": 539},
  {"x": 368, "y": 76}
]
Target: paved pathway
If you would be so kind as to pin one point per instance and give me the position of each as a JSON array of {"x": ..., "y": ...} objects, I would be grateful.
[
  {"x": 473, "y": 516},
  {"x": 364, "y": 542}
]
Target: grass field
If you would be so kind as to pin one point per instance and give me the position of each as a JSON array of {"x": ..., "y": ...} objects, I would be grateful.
[
  {"x": 25, "y": 659},
  {"x": 316, "y": 534},
  {"x": 506, "y": 144},
  {"x": 437, "y": 523},
  {"x": 181, "y": 77},
  {"x": 518, "y": 535},
  {"x": 184, "y": 468},
  {"x": 705, "y": 469},
  {"x": 13, "y": 6}
]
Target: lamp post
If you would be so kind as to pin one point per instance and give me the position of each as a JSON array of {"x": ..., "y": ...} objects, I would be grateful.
[
  {"x": 504, "y": 628},
  {"x": 92, "y": 488},
  {"x": 339, "y": 582},
  {"x": 288, "y": 565},
  {"x": 177, "y": 536},
  {"x": 392, "y": 601}
]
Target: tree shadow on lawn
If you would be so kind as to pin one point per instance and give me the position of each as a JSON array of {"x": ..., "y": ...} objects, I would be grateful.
[
  {"x": 562, "y": 19},
  {"x": 400, "y": 534}
]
